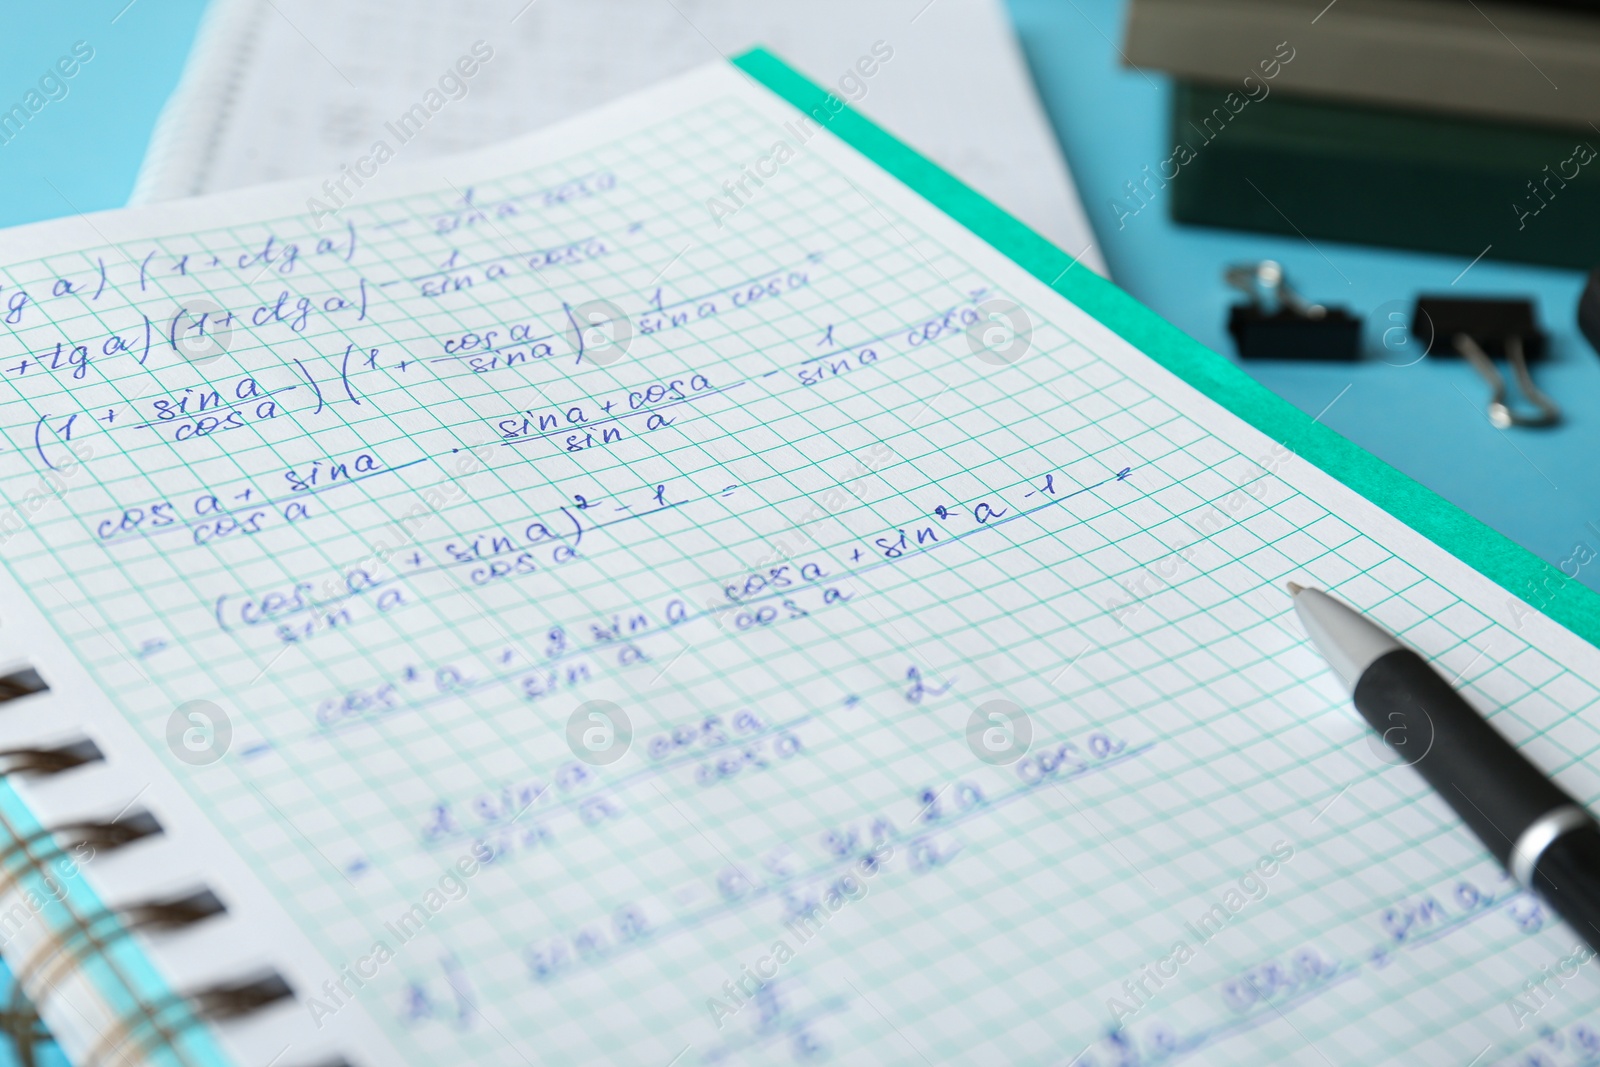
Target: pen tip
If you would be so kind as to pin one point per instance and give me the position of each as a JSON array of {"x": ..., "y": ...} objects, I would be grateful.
[{"x": 1295, "y": 588}]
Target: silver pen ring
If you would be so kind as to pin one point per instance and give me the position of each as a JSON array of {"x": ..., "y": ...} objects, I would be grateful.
[{"x": 1540, "y": 834}]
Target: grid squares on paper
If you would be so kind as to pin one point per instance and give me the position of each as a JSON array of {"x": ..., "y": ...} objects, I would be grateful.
[{"x": 1140, "y": 609}]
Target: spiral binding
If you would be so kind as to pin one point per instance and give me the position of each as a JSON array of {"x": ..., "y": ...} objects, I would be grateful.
[
  {"x": 21, "y": 683},
  {"x": 217, "y": 1003},
  {"x": 46, "y": 968},
  {"x": 49, "y": 760},
  {"x": 151, "y": 1025}
]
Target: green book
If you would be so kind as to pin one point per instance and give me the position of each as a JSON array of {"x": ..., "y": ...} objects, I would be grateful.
[{"x": 1435, "y": 183}]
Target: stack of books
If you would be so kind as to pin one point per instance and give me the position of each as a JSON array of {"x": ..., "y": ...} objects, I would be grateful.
[{"x": 1467, "y": 127}]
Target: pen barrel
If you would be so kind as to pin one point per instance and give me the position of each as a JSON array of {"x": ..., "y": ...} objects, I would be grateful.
[
  {"x": 1566, "y": 877},
  {"x": 1491, "y": 785}
]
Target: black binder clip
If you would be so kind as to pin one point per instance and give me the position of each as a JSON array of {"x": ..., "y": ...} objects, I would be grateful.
[
  {"x": 1481, "y": 329},
  {"x": 1278, "y": 323}
]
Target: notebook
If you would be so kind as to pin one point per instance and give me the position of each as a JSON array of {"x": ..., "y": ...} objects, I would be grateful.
[{"x": 700, "y": 585}]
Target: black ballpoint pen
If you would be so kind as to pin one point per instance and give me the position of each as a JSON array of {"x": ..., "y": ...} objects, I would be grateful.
[{"x": 1546, "y": 839}]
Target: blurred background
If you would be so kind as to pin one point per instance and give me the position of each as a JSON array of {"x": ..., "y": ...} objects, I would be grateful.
[{"x": 1374, "y": 150}]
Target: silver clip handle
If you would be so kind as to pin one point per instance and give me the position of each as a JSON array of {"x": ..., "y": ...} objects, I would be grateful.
[
  {"x": 1267, "y": 285},
  {"x": 1501, "y": 414}
]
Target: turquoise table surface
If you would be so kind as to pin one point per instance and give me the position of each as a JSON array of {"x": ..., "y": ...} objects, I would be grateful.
[{"x": 80, "y": 153}]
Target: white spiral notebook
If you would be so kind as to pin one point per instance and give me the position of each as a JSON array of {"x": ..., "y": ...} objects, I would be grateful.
[{"x": 699, "y": 585}]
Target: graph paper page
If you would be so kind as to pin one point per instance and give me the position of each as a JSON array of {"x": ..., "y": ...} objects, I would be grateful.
[{"x": 855, "y": 653}]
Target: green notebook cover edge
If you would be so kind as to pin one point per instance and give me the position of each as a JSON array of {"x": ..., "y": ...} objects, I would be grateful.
[{"x": 1519, "y": 572}]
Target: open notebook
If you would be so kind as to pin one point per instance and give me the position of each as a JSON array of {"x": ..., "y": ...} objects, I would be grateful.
[{"x": 665, "y": 591}]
